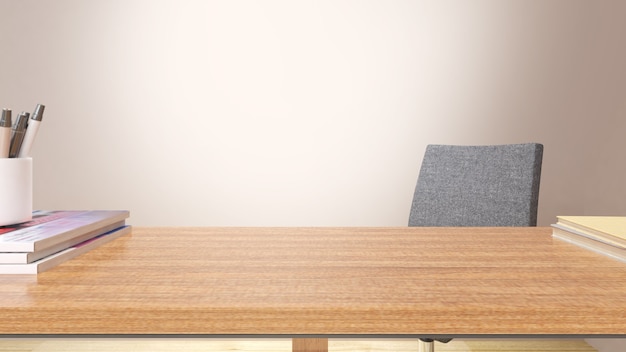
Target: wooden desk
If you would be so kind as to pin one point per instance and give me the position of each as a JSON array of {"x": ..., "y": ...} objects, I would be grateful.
[{"x": 324, "y": 282}]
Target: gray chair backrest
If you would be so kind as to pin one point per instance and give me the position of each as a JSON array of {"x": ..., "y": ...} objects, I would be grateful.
[{"x": 494, "y": 185}]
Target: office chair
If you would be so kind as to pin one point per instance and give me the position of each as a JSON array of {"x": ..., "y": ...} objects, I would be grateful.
[{"x": 495, "y": 185}]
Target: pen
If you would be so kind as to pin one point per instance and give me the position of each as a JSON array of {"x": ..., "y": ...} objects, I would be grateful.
[
  {"x": 5, "y": 133},
  {"x": 19, "y": 127},
  {"x": 31, "y": 131}
]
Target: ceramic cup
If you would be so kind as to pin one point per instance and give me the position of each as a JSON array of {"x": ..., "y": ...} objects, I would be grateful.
[{"x": 16, "y": 190}]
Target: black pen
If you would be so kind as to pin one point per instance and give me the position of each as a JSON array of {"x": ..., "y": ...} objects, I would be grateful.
[
  {"x": 19, "y": 128},
  {"x": 5, "y": 133}
]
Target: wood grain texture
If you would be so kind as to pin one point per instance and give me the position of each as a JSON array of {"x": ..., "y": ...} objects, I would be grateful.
[{"x": 324, "y": 281}]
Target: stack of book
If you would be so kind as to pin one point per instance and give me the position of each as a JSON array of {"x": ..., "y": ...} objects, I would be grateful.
[
  {"x": 602, "y": 234},
  {"x": 53, "y": 237}
]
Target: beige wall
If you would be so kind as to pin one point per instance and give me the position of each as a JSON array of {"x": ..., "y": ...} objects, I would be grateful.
[{"x": 286, "y": 112}]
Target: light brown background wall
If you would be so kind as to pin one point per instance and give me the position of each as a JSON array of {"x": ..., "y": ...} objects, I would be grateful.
[{"x": 310, "y": 112}]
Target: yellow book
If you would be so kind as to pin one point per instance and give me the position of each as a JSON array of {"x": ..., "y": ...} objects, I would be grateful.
[
  {"x": 586, "y": 242},
  {"x": 609, "y": 229}
]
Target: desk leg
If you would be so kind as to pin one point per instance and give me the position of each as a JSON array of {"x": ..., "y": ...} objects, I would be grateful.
[
  {"x": 426, "y": 346},
  {"x": 309, "y": 345}
]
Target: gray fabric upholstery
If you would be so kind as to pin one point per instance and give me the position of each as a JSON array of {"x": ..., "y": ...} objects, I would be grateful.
[{"x": 494, "y": 185}]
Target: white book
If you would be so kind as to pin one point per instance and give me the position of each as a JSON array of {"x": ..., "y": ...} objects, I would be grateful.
[
  {"x": 53, "y": 228},
  {"x": 65, "y": 255},
  {"x": 29, "y": 257}
]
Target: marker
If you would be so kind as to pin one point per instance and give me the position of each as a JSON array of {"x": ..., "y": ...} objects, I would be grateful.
[
  {"x": 19, "y": 128},
  {"x": 5, "y": 133},
  {"x": 31, "y": 131}
]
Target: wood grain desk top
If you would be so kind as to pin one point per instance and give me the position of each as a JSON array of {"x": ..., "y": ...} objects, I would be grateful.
[{"x": 324, "y": 281}]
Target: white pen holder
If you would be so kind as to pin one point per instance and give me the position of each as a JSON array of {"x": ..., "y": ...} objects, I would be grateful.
[{"x": 16, "y": 190}]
